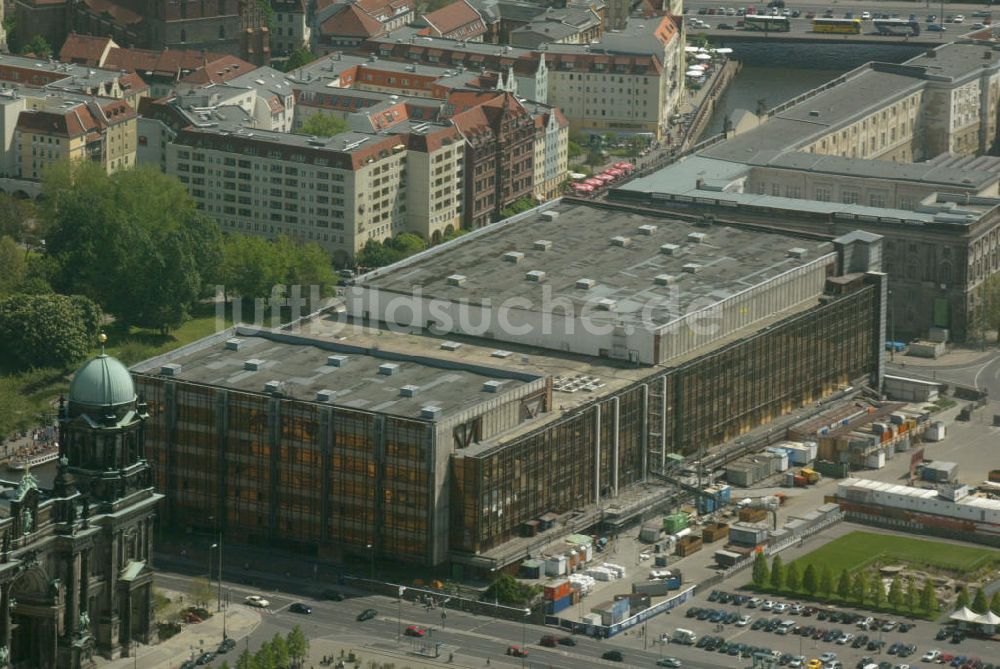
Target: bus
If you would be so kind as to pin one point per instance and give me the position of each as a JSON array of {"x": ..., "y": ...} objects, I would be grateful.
[
  {"x": 849, "y": 26},
  {"x": 775, "y": 24},
  {"x": 897, "y": 27}
]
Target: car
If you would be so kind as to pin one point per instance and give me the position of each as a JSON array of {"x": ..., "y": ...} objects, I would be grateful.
[
  {"x": 958, "y": 661},
  {"x": 888, "y": 626},
  {"x": 416, "y": 630},
  {"x": 299, "y": 607},
  {"x": 865, "y": 623},
  {"x": 227, "y": 645},
  {"x": 866, "y": 16},
  {"x": 333, "y": 595},
  {"x": 702, "y": 641},
  {"x": 714, "y": 596},
  {"x": 941, "y": 635},
  {"x": 754, "y": 602},
  {"x": 703, "y": 614},
  {"x": 845, "y": 638},
  {"x": 936, "y": 28},
  {"x": 894, "y": 648},
  {"x": 978, "y": 26},
  {"x": 189, "y": 664},
  {"x": 980, "y": 14},
  {"x": 613, "y": 656},
  {"x": 907, "y": 650},
  {"x": 767, "y": 605},
  {"x": 957, "y": 637},
  {"x": 958, "y": 19},
  {"x": 780, "y": 607},
  {"x": 743, "y": 621},
  {"x": 717, "y": 616},
  {"x": 863, "y": 662},
  {"x": 567, "y": 641},
  {"x": 931, "y": 656},
  {"x": 668, "y": 662},
  {"x": 703, "y": 11},
  {"x": 796, "y": 13},
  {"x": 814, "y": 664},
  {"x": 827, "y": 657},
  {"x": 784, "y": 659},
  {"x": 205, "y": 658},
  {"x": 692, "y": 612},
  {"x": 367, "y": 614},
  {"x": 796, "y": 662},
  {"x": 725, "y": 26},
  {"x": 931, "y": 18},
  {"x": 256, "y": 601},
  {"x": 797, "y": 609},
  {"x": 517, "y": 651},
  {"x": 730, "y": 11},
  {"x": 875, "y": 644},
  {"x": 810, "y": 15},
  {"x": 945, "y": 658},
  {"x": 758, "y": 624}
]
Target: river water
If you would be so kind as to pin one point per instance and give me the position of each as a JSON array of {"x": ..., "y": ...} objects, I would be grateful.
[{"x": 772, "y": 84}]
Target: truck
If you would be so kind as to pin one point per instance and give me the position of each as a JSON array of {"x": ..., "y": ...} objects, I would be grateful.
[
  {"x": 810, "y": 475},
  {"x": 685, "y": 637}
]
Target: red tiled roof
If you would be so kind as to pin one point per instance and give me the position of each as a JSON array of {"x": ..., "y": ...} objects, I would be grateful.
[
  {"x": 85, "y": 49},
  {"x": 351, "y": 22},
  {"x": 451, "y": 17},
  {"x": 122, "y": 15},
  {"x": 169, "y": 62},
  {"x": 462, "y": 100},
  {"x": 132, "y": 83},
  {"x": 219, "y": 70}
]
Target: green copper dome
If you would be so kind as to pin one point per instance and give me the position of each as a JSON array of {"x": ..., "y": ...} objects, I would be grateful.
[{"x": 102, "y": 382}]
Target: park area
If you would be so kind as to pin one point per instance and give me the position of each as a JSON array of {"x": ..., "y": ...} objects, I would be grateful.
[{"x": 883, "y": 572}]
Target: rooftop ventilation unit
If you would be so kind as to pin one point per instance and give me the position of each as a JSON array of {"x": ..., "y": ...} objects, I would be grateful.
[
  {"x": 388, "y": 369},
  {"x": 605, "y": 304},
  {"x": 234, "y": 344},
  {"x": 409, "y": 391},
  {"x": 430, "y": 411},
  {"x": 456, "y": 280},
  {"x": 797, "y": 252},
  {"x": 253, "y": 364},
  {"x": 513, "y": 256},
  {"x": 493, "y": 386},
  {"x": 325, "y": 395},
  {"x": 648, "y": 230},
  {"x": 170, "y": 369},
  {"x": 550, "y": 215},
  {"x": 272, "y": 387},
  {"x": 585, "y": 284},
  {"x": 500, "y": 353},
  {"x": 696, "y": 237},
  {"x": 692, "y": 267},
  {"x": 450, "y": 345},
  {"x": 669, "y": 249},
  {"x": 535, "y": 275},
  {"x": 336, "y": 360},
  {"x": 542, "y": 245},
  {"x": 665, "y": 279},
  {"x": 620, "y": 241}
]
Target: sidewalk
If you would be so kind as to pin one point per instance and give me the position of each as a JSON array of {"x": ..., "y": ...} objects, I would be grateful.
[
  {"x": 955, "y": 357},
  {"x": 192, "y": 641}
]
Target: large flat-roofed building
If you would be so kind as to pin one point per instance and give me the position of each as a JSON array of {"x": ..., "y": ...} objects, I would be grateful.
[
  {"x": 474, "y": 434},
  {"x": 599, "y": 282},
  {"x": 898, "y": 150},
  {"x": 314, "y": 443}
]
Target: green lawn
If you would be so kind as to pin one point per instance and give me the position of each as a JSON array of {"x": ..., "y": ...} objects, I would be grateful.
[
  {"x": 859, "y": 549},
  {"x": 27, "y": 397}
]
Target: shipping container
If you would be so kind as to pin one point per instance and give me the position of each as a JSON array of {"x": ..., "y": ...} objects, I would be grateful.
[
  {"x": 675, "y": 522},
  {"x": 688, "y": 545},
  {"x": 561, "y": 604},
  {"x": 658, "y": 588},
  {"x": 557, "y": 589},
  {"x": 727, "y": 558},
  {"x": 529, "y": 529},
  {"x": 555, "y": 566},
  {"x": 752, "y": 515},
  {"x": 714, "y": 532},
  {"x": 875, "y": 461},
  {"x": 650, "y": 532},
  {"x": 531, "y": 569},
  {"x": 661, "y": 560},
  {"x": 748, "y": 534}
]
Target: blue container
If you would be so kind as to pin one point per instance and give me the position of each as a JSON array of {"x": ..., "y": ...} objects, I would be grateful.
[
  {"x": 674, "y": 582},
  {"x": 725, "y": 494},
  {"x": 558, "y": 605},
  {"x": 706, "y": 504},
  {"x": 620, "y": 608}
]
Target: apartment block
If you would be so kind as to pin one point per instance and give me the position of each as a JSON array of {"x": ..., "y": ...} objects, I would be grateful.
[
  {"x": 551, "y": 162},
  {"x": 292, "y": 26}
]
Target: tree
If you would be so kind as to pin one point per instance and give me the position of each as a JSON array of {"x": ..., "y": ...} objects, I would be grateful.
[
  {"x": 264, "y": 658},
  {"x": 844, "y": 585},
  {"x": 962, "y": 601},
  {"x": 251, "y": 266},
  {"x": 380, "y": 254},
  {"x": 132, "y": 241},
  {"x": 245, "y": 661},
  {"x": 760, "y": 571},
  {"x": 928, "y": 597},
  {"x": 279, "y": 651},
  {"x": 38, "y": 46},
  {"x": 987, "y": 294},
  {"x": 809, "y": 580},
  {"x": 46, "y": 330},
  {"x": 224, "y": 665},
  {"x": 573, "y": 150},
  {"x": 826, "y": 581},
  {"x": 878, "y": 591},
  {"x": 979, "y": 603},
  {"x": 298, "y": 645},
  {"x": 995, "y": 602},
  {"x": 200, "y": 591},
  {"x": 896, "y": 592},
  {"x": 859, "y": 587},
  {"x": 16, "y": 218},
  {"x": 912, "y": 595},
  {"x": 793, "y": 580},
  {"x": 777, "y": 573},
  {"x": 322, "y": 125},
  {"x": 506, "y": 589},
  {"x": 15, "y": 266},
  {"x": 298, "y": 58},
  {"x": 518, "y": 206}
]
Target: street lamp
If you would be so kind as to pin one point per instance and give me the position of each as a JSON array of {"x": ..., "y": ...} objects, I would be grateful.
[
  {"x": 371, "y": 570},
  {"x": 399, "y": 615},
  {"x": 524, "y": 621},
  {"x": 219, "y": 604},
  {"x": 210, "y": 549}
]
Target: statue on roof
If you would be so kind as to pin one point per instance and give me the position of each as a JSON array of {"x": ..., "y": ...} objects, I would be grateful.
[{"x": 27, "y": 482}]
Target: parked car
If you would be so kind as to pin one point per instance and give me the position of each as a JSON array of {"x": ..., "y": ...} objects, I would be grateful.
[
  {"x": 367, "y": 614},
  {"x": 227, "y": 645},
  {"x": 205, "y": 658},
  {"x": 743, "y": 621},
  {"x": 828, "y": 657},
  {"x": 333, "y": 595},
  {"x": 936, "y": 28},
  {"x": 931, "y": 656},
  {"x": 567, "y": 641},
  {"x": 415, "y": 630},
  {"x": 613, "y": 656}
]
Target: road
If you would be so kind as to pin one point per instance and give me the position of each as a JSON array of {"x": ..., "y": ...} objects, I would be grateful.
[{"x": 981, "y": 373}]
